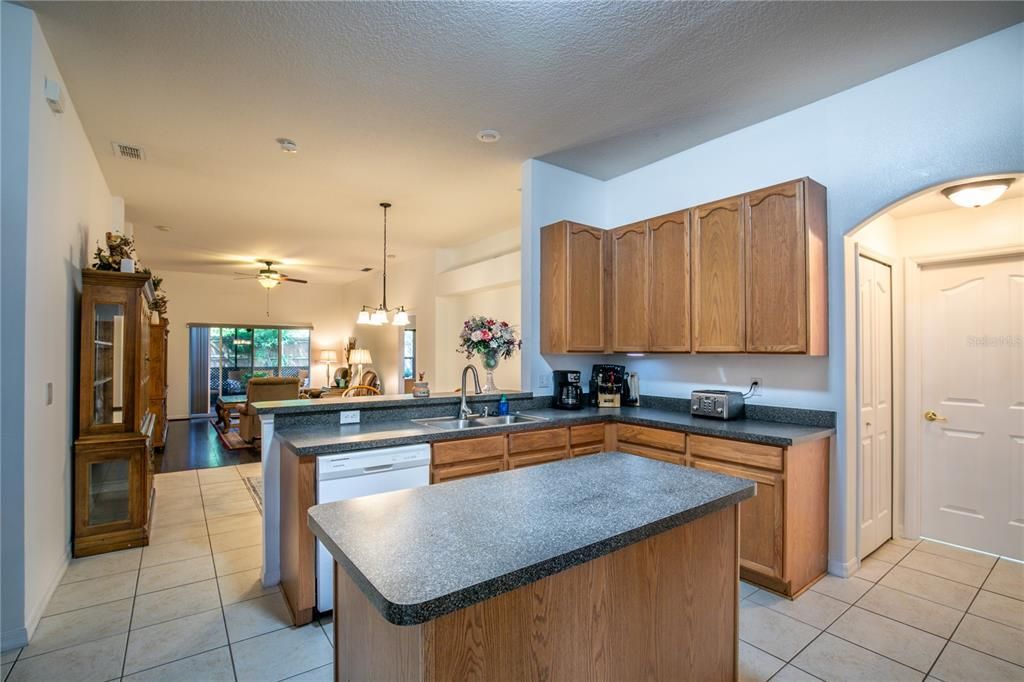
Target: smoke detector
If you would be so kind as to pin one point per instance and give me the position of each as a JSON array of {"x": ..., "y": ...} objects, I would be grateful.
[
  {"x": 488, "y": 136},
  {"x": 287, "y": 146},
  {"x": 130, "y": 152},
  {"x": 366, "y": 269},
  {"x": 162, "y": 228}
]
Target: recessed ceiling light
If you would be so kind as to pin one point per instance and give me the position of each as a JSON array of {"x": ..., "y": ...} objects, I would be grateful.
[
  {"x": 366, "y": 269},
  {"x": 488, "y": 135},
  {"x": 977, "y": 194},
  {"x": 288, "y": 146},
  {"x": 162, "y": 228}
]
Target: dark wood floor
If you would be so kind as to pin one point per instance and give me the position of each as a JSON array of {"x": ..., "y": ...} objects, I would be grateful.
[{"x": 194, "y": 444}]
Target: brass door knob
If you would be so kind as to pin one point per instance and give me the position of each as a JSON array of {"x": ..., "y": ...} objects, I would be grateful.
[{"x": 932, "y": 416}]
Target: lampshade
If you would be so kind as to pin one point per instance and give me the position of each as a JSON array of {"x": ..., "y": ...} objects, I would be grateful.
[
  {"x": 359, "y": 356},
  {"x": 401, "y": 318},
  {"x": 379, "y": 317},
  {"x": 977, "y": 194},
  {"x": 364, "y": 317},
  {"x": 268, "y": 282},
  {"x": 330, "y": 356}
]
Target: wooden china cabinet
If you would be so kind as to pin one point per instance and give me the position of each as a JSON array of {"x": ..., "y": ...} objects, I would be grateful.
[{"x": 113, "y": 469}]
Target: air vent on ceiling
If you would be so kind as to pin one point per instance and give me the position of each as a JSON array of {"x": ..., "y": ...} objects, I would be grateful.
[
  {"x": 365, "y": 269},
  {"x": 130, "y": 152}
]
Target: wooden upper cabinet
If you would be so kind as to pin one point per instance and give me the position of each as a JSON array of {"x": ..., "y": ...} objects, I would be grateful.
[
  {"x": 573, "y": 267},
  {"x": 718, "y": 279},
  {"x": 786, "y": 277},
  {"x": 668, "y": 310},
  {"x": 629, "y": 290}
]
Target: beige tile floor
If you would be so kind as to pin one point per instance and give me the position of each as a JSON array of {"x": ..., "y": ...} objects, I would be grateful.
[
  {"x": 914, "y": 611},
  {"x": 189, "y": 606}
]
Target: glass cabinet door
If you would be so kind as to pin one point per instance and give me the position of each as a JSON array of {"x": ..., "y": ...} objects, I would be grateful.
[
  {"x": 109, "y": 492},
  {"x": 108, "y": 364}
]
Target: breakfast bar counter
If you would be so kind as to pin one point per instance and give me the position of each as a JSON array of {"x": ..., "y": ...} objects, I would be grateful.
[{"x": 611, "y": 566}]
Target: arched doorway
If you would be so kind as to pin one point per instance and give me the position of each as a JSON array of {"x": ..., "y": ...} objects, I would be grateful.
[{"x": 914, "y": 274}]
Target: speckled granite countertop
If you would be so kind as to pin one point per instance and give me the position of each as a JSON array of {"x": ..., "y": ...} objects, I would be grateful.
[
  {"x": 418, "y": 554},
  {"x": 320, "y": 440},
  {"x": 366, "y": 402}
]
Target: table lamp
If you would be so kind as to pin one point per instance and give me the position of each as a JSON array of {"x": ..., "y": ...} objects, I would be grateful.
[
  {"x": 359, "y": 357},
  {"x": 328, "y": 357}
]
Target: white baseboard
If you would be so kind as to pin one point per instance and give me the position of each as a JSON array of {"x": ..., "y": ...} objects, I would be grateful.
[
  {"x": 32, "y": 621},
  {"x": 844, "y": 569}
]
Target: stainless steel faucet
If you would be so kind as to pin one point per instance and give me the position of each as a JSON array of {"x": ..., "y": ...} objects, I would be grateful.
[{"x": 464, "y": 411}]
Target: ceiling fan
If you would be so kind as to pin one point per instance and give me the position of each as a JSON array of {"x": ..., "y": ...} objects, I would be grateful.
[{"x": 268, "y": 277}]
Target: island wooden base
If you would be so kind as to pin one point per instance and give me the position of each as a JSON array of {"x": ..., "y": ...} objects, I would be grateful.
[{"x": 665, "y": 608}]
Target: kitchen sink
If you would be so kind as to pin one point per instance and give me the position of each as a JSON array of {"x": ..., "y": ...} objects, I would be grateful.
[{"x": 476, "y": 422}]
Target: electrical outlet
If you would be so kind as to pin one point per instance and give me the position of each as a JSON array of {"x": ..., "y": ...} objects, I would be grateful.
[
  {"x": 349, "y": 416},
  {"x": 758, "y": 383},
  {"x": 544, "y": 380}
]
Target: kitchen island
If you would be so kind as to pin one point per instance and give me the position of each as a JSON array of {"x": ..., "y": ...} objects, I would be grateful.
[{"x": 611, "y": 566}]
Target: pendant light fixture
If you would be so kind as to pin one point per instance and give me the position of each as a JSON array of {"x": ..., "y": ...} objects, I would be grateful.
[{"x": 377, "y": 316}]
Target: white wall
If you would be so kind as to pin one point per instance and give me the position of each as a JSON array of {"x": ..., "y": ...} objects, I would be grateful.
[
  {"x": 201, "y": 298},
  {"x": 958, "y": 114},
  {"x": 411, "y": 284},
  {"x": 479, "y": 278},
  {"x": 68, "y": 207}
]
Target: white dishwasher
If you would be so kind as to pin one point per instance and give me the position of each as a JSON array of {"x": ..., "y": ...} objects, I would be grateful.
[{"x": 359, "y": 473}]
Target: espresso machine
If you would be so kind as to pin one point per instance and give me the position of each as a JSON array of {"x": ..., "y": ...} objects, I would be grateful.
[
  {"x": 568, "y": 390},
  {"x": 610, "y": 387}
]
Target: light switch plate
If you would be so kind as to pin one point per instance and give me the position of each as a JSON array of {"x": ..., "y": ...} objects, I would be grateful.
[
  {"x": 349, "y": 417},
  {"x": 544, "y": 380},
  {"x": 49, "y": 393}
]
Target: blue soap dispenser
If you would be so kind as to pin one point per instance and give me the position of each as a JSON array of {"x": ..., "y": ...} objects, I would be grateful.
[{"x": 503, "y": 405}]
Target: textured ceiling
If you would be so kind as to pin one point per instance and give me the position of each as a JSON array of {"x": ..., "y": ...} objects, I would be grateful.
[{"x": 384, "y": 100}]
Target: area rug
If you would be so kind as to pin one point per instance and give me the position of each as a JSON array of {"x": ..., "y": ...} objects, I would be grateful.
[
  {"x": 230, "y": 438},
  {"x": 255, "y": 486}
]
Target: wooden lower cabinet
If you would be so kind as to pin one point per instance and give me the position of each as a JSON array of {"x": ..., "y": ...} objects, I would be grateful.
[
  {"x": 660, "y": 444},
  {"x": 537, "y": 447},
  {"x": 784, "y": 527},
  {"x": 762, "y": 519},
  {"x": 588, "y": 439},
  {"x": 455, "y": 459}
]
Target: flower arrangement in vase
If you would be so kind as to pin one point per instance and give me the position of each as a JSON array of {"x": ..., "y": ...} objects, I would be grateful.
[{"x": 492, "y": 340}]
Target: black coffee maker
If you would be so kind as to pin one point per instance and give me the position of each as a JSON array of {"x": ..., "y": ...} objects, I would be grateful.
[
  {"x": 568, "y": 391},
  {"x": 609, "y": 387}
]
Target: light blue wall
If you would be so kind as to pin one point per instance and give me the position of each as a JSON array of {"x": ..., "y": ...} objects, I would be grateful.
[
  {"x": 16, "y": 57},
  {"x": 958, "y": 114}
]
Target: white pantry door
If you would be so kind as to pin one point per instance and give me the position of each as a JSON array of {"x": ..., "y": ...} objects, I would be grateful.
[
  {"x": 972, "y": 368},
  {"x": 874, "y": 282}
]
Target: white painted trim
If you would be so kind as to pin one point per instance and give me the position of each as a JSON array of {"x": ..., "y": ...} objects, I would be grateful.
[
  {"x": 33, "y": 618},
  {"x": 949, "y": 258},
  {"x": 271, "y": 457},
  {"x": 844, "y": 569},
  {"x": 912, "y": 397}
]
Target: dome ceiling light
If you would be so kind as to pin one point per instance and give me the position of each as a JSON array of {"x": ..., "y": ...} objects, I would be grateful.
[
  {"x": 379, "y": 316},
  {"x": 977, "y": 194}
]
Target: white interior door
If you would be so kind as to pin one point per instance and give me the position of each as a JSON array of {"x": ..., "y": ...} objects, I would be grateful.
[
  {"x": 972, "y": 317},
  {"x": 874, "y": 282}
]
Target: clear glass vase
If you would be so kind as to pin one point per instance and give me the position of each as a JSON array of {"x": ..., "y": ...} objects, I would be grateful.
[{"x": 489, "y": 361}]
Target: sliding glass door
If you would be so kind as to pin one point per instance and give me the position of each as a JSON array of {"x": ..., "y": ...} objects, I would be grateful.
[{"x": 233, "y": 355}]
